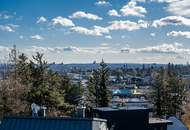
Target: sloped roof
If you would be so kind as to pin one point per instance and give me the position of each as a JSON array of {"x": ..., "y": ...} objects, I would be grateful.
[
  {"x": 177, "y": 124},
  {"x": 41, "y": 123},
  {"x": 121, "y": 92}
]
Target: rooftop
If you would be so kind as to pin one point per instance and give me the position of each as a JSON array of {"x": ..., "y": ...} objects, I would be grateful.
[
  {"x": 48, "y": 123},
  {"x": 159, "y": 121},
  {"x": 122, "y": 108},
  {"x": 55, "y": 118},
  {"x": 177, "y": 124}
]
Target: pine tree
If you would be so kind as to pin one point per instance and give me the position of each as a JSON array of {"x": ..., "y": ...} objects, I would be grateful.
[
  {"x": 169, "y": 93},
  {"x": 11, "y": 90},
  {"x": 45, "y": 84},
  {"x": 32, "y": 81},
  {"x": 23, "y": 70},
  {"x": 97, "y": 88},
  {"x": 93, "y": 90},
  {"x": 157, "y": 92},
  {"x": 103, "y": 90},
  {"x": 177, "y": 91}
]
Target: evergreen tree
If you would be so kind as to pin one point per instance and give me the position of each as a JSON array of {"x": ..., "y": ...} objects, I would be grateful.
[
  {"x": 73, "y": 93},
  {"x": 177, "y": 91},
  {"x": 157, "y": 94},
  {"x": 93, "y": 90},
  {"x": 11, "y": 91},
  {"x": 98, "y": 89},
  {"x": 46, "y": 87},
  {"x": 103, "y": 90},
  {"x": 168, "y": 93},
  {"x": 23, "y": 70},
  {"x": 45, "y": 84}
]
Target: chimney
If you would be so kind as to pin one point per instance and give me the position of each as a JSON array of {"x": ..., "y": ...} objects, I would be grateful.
[
  {"x": 81, "y": 108},
  {"x": 81, "y": 111},
  {"x": 44, "y": 110}
]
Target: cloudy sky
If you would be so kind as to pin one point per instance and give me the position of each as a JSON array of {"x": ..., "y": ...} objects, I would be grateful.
[{"x": 82, "y": 31}]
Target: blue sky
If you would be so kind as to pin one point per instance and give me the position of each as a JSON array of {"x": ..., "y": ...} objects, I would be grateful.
[{"x": 70, "y": 31}]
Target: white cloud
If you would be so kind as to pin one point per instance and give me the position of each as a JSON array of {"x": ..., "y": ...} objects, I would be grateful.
[
  {"x": 177, "y": 7},
  {"x": 152, "y": 34},
  {"x": 96, "y": 31},
  {"x": 139, "y": 0},
  {"x": 143, "y": 24},
  {"x": 103, "y": 3},
  {"x": 127, "y": 25},
  {"x": 21, "y": 37},
  {"x": 179, "y": 33},
  {"x": 81, "y": 14},
  {"x": 5, "y": 16},
  {"x": 13, "y": 25},
  {"x": 41, "y": 20},
  {"x": 164, "y": 48},
  {"x": 82, "y": 30},
  {"x": 41, "y": 49},
  {"x": 4, "y": 52},
  {"x": 108, "y": 37},
  {"x": 123, "y": 36},
  {"x": 9, "y": 27},
  {"x": 162, "y": 53},
  {"x": 37, "y": 37},
  {"x": 161, "y": 1},
  {"x": 74, "y": 49},
  {"x": 171, "y": 20},
  {"x": 4, "y": 49},
  {"x": 104, "y": 44},
  {"x": 113, "y": 12},
  {"x": 62, "y": 21},
  {"x": 132, "y": 9},
  {"x": 6, "y": 28},
  {"x": 101, "y": 30},
  {"x": 67, "y": 54}
]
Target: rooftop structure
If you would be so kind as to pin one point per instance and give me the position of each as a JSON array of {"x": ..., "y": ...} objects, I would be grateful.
[
  {"x": 159, "y": 124},
  {"x": 124, "y": 118},
  {"x": 47, "y": 123},
  {"x": 130, "y": 118}
]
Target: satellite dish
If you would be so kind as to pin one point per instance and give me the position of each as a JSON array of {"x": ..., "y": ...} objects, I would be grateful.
[{"x": 35, "y": 109}]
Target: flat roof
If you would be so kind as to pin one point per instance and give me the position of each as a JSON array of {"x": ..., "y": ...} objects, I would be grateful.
[
  {"x": 55, "y": 118},
  {"x": 122, "y": 108},
  {"x": 159, "y": 121}
]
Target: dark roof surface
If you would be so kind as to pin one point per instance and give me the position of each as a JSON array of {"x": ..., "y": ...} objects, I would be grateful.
[
  {"x": 41, "y": 123},
  {"x": 123, "y": 108}
]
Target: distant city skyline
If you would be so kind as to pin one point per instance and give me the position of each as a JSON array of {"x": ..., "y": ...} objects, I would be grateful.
[{"x": 83, "y": 31}]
